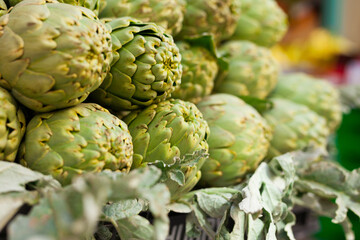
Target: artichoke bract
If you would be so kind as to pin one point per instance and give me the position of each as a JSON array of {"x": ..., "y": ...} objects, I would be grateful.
[
  {"x": 166, "y": 130},
  {"x": 317, "y": 94},
  {"x": 262, "y": 22},
  {"x": 83, "y": 138},
  {"x": 146, "y": 67},
  {"x": 295, "y": 127},
  {"x": 253, "y": 70},
  {"x": 52, "y": 54},
  {"x": 168, "y": 14},
  {"x": 12, "y": 126},
  {"x": 199, "y": 71},
  {"x": 239, "y": 139},
  {"x": 217, "y": 17},
  {"x": 93, "y": 5},
  {"x": 3, "y": 8}
]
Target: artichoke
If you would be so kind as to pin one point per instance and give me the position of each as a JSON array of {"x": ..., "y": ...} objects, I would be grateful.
[
  {"x": 295, "y": 127},
  {"x": 3, "y": 8},
  {"x": 317, "y": 94},
  {"x": 239, "y": 140},
  {"x": 146, "y": 69},
  {"x": 253, "y": 70},
  {"x": 52, "y": 54},
  {"x": 262, "y": 22},
  {"x": 93, "y": 5},
  {"x": 12, "y": 126},
  {"x": 168, "y": 14},
  {"x": 83, "y": 138},
  {"x": 217, "y": 17},
  {"x": 199, "y": 72},
  {"x": 167, "y": 130}
]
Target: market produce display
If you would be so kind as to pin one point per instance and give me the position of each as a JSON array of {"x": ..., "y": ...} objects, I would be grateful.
[
  {"x": 168, "y": 14},
  {"x": 252, "y": 71},
  {"x": 262, "y": 22},
  {"x": 317, "y": 94},
  {"x": 111, "y": 129}
]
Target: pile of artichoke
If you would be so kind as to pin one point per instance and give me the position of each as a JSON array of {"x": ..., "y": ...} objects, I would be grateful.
[{"x": 115, "y": 85}]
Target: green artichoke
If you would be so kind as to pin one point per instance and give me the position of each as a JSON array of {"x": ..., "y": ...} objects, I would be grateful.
[
  {"x": 146, "y": 69},
  {"x": 317, "y": 94},
  {"x": 83, "y": 138},
  {"x": 3, "y": 8},
  {"x": 295, "y": 127},
  {"x": 253, "y": 70},
  {"x": 52, "y": 54},
  {"x": 217, "y": 17},
  {"x": 93, "y": 5},
  {"x": 239, "y": 140},
  {"x": 262, "y": 22},
  {"x": 168, "y": 14},
  {"x": 167, "y": 130},
  {"x": 199, "y": 72},
  {"x": 12, "y": 126}
]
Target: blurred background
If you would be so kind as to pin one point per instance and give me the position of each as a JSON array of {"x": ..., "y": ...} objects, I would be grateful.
[{"x": 324, "y": 40}]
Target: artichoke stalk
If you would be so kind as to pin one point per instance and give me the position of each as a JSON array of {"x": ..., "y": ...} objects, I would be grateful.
[
  {"x": 317, "y": 94},
  {"x": 239, "y": 140},
  {"x": 253, "y": 70},
  {"x": 199, "y": 71},
  {"x": 53, "y": 54},
  {"x": 168, "y": 130},
  {"x": 216, "y": 17},
  {"x": 83, "y": 138},
  {"x": 168, "y": 14},
  {"x": 262, "y": 22},
  {"x": 146, "y": 67},
  {"x": 295, "y": 127},
  {"x": 12, "y": 126}
]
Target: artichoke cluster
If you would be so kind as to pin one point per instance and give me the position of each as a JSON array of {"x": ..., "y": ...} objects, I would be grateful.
[{"x": 111, "y": 85}]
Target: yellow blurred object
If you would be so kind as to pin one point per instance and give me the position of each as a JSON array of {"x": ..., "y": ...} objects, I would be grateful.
[{"x": 320, "y": 49}]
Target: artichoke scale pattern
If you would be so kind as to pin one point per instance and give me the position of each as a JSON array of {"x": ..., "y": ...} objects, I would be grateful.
[
  {"x": 216, "y": 17},
  {"x": 239, "y": 140},
  {"x": 199, "y": 71},
  {"x": 146, "y": 67},
  {"x": 295, "y": 127},
  {"x": 168, "y": 14},
  {"x": 68, "y": 142},
  {"x": 12, "y": 126},
  {"x": 53, "y": 54},
  {"x": 3, "y": 8},
  {"x": 317, "y": 94},
  {"x": 262, "y": 22},
  {"x": 253, "y": 70}
]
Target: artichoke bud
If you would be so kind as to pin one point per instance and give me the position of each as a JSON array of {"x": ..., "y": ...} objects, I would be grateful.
[
  {"x": 68, "y": 142},
  {"x": 168, "y": 130},
  {"x": 3, "y": 8},
  {"x": 216, "y": 17},
  {"x": 317, "y": 94},
  {"x": 53, "y": 54},
  {"x": 147, "y": 70},
  {"x": 168, "y": 14},
  {"x": 252, "y": 71},
  {"x": 295, "y": 127},
  {"x": 262, "y": 22},
  {"x": 12, "y": 126},
  {"x": 239, "y": 140},
  {"x": 199, "y": 71}
]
